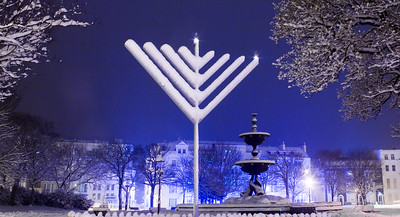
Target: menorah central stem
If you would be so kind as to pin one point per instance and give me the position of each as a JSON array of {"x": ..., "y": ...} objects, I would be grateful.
[
  {"x": 196, "y": 143},
  {"x": 196, "y": 169}
]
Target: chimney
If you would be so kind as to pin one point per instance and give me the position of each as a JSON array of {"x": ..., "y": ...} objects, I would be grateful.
[{"x": 282, "y": 146}]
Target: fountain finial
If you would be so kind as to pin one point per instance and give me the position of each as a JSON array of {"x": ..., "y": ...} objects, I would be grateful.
[{"x": 254, "y": 121}]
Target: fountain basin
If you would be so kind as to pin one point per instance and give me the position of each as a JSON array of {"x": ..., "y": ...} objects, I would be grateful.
[
  {"x": 254, "y": 138},
  {"x": 254, "y": 167}
]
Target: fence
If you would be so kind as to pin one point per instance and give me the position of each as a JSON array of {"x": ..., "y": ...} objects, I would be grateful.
[{"x": 129, "y": 214}]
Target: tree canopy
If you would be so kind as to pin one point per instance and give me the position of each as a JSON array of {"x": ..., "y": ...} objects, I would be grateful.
[{"x": 355, "y": 43}]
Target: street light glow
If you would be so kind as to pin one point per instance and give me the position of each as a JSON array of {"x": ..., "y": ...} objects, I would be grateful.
[{"x": 309, "y": 181}]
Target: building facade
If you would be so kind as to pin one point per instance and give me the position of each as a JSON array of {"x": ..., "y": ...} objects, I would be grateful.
[{"x": 390, "y": 176}]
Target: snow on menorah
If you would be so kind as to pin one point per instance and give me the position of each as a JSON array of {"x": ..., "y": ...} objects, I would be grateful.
[{"x": 182, "y": 81}]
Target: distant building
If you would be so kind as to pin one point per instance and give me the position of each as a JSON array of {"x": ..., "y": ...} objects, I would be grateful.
[{"x": 390, "y": 159}]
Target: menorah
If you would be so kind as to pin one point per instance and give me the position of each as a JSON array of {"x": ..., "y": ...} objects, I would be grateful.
[{"x": 182, "y": 81}]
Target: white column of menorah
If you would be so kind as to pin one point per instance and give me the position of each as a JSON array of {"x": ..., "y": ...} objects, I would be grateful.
[{"x": 183, "y": 87}]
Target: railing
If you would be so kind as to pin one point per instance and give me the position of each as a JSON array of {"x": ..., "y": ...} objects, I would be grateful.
[{"x": 135, "y": 214}]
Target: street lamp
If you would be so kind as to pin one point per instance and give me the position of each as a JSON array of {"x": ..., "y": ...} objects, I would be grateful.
[{"x": 159, "y": 161}]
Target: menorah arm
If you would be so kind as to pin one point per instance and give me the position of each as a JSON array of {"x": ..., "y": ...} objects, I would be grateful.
[
  {"x": 220, "y": 62},
  {"x": 221, "y": 78},
  {"x": 192, "y": 60},
  {"x": 228, "y": 89},
  {"x": 163, "y": 81},
  {"x": 179, "y": 64},
  {"x": 171, "y": 73}
]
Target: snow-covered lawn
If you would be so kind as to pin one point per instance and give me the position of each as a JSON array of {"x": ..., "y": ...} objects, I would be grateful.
[
  {"x": 41, "y": 211},
  {"x": 33, "y": 211}
]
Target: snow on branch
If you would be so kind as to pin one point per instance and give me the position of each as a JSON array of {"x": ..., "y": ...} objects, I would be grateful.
[
  {"x": 24, "y": 32},
  {"x": 354, "y": 42}
]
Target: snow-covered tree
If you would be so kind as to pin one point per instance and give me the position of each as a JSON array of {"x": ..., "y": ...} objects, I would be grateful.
[
  {"x": 73, "y": 163},
  {"x": 24, "y": 32},
  {"x": 332, "y": 171},
  {"x": 366, "y": 172},
  {"x": 356, "y": 43},
  {"x": 288, "y": 169},
  {"x": 218, "y": 174},
  {"x": 150, "y": 169},
  {"x": 119, "y": 159}
]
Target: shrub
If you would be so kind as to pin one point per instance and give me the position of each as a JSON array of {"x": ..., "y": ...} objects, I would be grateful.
[{"x": 68, "y": 200}]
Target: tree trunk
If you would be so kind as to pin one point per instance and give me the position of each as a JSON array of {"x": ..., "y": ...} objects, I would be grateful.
[
  {"x": 152, "y": 187},
  {"x": 14, "y": 190},
  {"x": 287, "y": 189},
  {"x": 332, "y": 193},
  {"x": 120, "y": 194},
  {"x": 184, "y": 195},
  {"x": 31, "y": 197},
  {"x": 126, "y": 199}
]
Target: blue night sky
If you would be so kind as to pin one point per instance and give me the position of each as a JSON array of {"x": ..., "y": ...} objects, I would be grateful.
[{"x": 95, "y": 89}]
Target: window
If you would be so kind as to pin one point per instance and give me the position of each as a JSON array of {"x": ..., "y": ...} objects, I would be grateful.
[
  {"x": 392, "y": 156},
  {"x": 386, "y": 157},
  {"x": 387, "y": 167},
  {"x": 388, "y": 183},
  {"x": 99, "y": 187},
  {"x": 94, "y": 187},
  {"x": 108, "y": 187},
  {"x": 112, "y": 187},
  {"x": 179, "y": 151},
  {"x": 184, "y": 151},
  {"x": 98, "y": 196},
  {"x": 393, "y": 167},
  {"x": 172, "y": 202},
  {"x": 83, "y": 188}
]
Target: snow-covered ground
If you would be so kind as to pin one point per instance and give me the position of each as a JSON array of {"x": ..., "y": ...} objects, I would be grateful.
[
  {"x": 40, "y": 211},
  {"x": 33, "y": 211}
]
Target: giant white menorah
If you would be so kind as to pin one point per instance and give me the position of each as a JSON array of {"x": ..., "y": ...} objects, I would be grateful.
[{"x": 182, "y": 83}]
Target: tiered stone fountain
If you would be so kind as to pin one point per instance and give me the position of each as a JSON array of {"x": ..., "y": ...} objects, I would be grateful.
[{"x": 254, "y": 199}]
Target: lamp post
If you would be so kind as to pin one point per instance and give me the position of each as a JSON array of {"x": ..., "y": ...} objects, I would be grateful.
[
  {"x": 309, "y": 183},
  {"x": 159, "y": 161}
]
